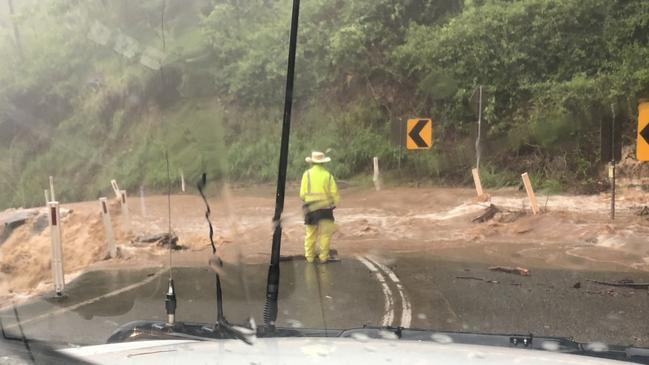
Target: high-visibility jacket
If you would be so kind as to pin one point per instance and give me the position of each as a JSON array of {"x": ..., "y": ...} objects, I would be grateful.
[{"x": 318, "y": 189}]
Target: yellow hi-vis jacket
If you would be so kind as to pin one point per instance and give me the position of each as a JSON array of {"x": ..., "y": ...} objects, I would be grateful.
[{"x": 318, "y": 188}]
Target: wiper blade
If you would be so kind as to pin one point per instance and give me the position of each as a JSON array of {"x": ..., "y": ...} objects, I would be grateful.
[
  {"x": 524, "y": 341},
  {"x": 142, "y": 330},
  {"x": 222, "y": 326}
]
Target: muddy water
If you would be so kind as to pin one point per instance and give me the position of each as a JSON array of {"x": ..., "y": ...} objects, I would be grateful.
[{"x": 573, "y": 233}]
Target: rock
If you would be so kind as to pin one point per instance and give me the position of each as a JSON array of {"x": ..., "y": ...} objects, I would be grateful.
[
  {"x": 488, "y": 214},
  {"x": 511, "y": 270},
  {"x": 160, "y": 239},
  {"x": 149, "y": 238},
  {"x": 170, "y": 240}
]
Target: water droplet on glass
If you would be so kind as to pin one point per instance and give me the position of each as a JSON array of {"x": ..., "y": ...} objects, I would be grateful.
[
  {"x": 387, "y": 335},
  {"x": 370, "y": 348},
  {"x": 360, "y": 337},
  {"x": 550, "y": 345},
  {"x": 441, "y": 338},
  {"x": 295, "y": 323},
  {"x": 597, "y": 347},
  {"x": 476, "y": 355},
  {"x": 421, "y": 316}
]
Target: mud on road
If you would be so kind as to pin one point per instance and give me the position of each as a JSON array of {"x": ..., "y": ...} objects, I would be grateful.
[{"x": 572, "y": 233}]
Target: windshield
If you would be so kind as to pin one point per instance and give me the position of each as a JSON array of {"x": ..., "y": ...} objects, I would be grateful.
[{"x": 469, "y": 166}]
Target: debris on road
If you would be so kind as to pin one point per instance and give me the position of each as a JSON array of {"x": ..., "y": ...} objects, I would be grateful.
[
  {"x": 644, "y": 211},
  {"x": 160, "y": 239},
  {"x": 577, "y": 285},
  {"x": 488, "y": 214},
  {"x": 511, "y": 270},
  {"x": 625, "y": 283},
  {"x": 478, "y": 279}
]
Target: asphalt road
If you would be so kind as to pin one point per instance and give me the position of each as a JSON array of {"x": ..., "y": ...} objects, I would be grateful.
[{"x": 410, "y": 290}]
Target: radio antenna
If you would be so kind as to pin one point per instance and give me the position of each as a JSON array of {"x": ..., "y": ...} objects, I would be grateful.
[{"x": 272, "y": 285}]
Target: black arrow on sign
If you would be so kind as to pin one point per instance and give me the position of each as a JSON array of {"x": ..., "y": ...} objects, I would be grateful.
[
  {"x": 414, "y": 133},
  {"x": 645, "y": 133}
]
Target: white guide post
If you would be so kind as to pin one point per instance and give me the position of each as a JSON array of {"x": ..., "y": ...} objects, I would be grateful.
[
  {"x": 108, "y": 227},
  {"x": 376, "y": 178},
  {"x": 52, "y": 196},
  {"x": 142, "y": 206},
  {"x": 57, "y": 248}
]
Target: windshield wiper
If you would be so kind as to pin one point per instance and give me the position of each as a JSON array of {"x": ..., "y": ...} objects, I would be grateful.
[{"x": 216, "y": 263}]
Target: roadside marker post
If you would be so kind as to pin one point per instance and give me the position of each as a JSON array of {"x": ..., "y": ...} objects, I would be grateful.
[
  {"x": 52, "y": 189},
  {"x": 58, "y": 277},
  {"x": 108, "y": 227},
  {"x": 376, "y": 178},
  {"x": 142, "y": 206},
  {"x": 125, "y": 214},
  {"x": 116, "y": 190},
  {"x": 530, "y": 193},
  {"x": 182, "y": 181},
  {"x": 611, "y": 170},
  {"x": 476, "y": 181}
]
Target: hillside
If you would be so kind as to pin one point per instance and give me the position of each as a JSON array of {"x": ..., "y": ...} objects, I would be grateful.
[{"x": 99, "y": 90}]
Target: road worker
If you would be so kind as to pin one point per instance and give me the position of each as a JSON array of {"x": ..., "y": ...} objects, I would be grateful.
[{"x": 320, "y": 195}]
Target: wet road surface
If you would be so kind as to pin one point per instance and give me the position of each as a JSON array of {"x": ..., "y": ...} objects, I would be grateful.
[{"x": 418, "y": 291}]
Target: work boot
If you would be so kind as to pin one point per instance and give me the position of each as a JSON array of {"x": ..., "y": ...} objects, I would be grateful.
[{"x": 310, "y": 259}]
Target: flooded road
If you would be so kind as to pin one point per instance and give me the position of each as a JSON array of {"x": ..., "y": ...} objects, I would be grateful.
[
  {"x": 409, "y": 257},
  {"x": 404, "y": 290}
]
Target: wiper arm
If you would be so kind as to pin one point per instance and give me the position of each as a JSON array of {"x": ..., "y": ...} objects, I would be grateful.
[{"x": 216, "y": 263}]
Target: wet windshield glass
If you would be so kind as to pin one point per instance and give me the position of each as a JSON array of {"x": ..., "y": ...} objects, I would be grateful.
[{"x": 453, "y": 166}]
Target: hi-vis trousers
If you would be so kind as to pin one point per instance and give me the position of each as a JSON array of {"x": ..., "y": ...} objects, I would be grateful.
[{"x": 324, "y": 230}]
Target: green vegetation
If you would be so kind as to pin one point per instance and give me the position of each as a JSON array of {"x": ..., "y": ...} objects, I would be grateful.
[{"x": 81, "y": 99}]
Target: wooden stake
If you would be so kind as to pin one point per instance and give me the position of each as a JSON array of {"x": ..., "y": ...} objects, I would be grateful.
[
  {"x": 476, "y": 181},
  {"x": 116, "y": 190},
  {"x": 125, "y": 215},
  {"x": 530, "y": 193},
  {"x": 108, "y": 227}
]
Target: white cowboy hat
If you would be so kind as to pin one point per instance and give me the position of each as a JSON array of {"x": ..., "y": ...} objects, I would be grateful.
[{"x": 317, "y": 157}]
